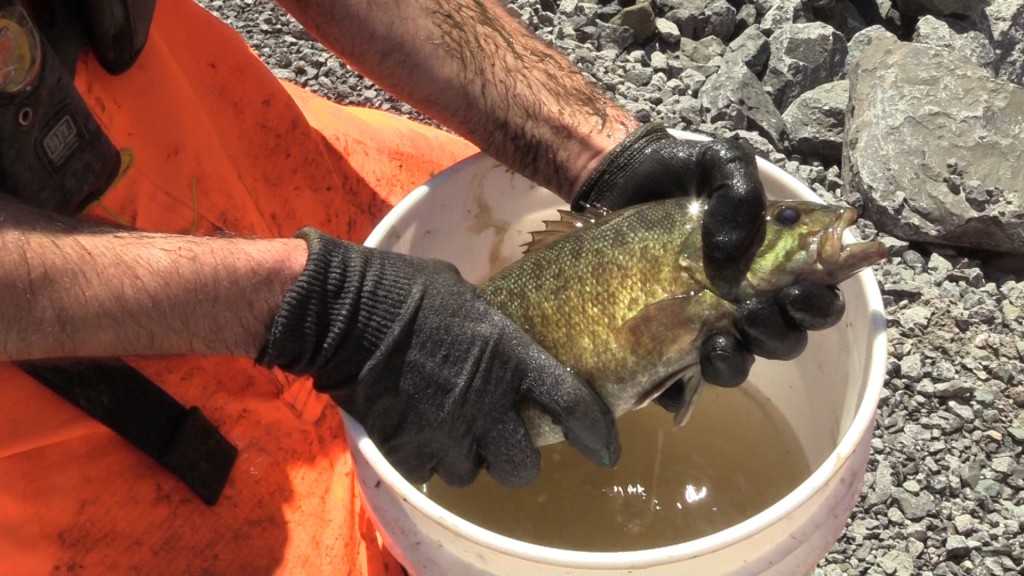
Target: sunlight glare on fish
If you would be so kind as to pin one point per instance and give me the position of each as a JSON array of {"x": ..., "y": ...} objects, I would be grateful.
[{"x": 695, "y": 207}]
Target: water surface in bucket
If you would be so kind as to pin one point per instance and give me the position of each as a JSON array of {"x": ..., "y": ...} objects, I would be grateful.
[{"x": 735, "y": 457}]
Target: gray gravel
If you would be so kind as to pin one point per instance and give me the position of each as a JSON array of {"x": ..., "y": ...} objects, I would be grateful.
[{"x": 944, "y": 494}]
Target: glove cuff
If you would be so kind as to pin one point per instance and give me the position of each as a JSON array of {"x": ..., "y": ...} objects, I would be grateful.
[
  {"x": 602, "y": 183},
  {"x": 338, "y": 313}
]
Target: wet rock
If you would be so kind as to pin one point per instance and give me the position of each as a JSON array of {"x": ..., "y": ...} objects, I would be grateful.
[
  {"x": 972, "y": 128},
  {"x": 815, "y": 122},
  {"x": 803, "y": 57}
]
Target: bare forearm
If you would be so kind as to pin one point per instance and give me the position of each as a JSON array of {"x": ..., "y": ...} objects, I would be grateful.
[
  {"x": 476, "y": 69},
  {"x": 72, "y": 290}
]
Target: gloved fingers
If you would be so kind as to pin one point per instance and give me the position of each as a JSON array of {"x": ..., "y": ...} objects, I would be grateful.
[
  {"x": 734, "y": 217},
  {"x": 460, "y": 463},
  {"x": 768, "y": 333},
  {"x": 415, "y": 460},
  {"x": 509, "y": 453},
  {"x": 812, "y": 306},
  {"x": 724, "y": 361},
  {"x": 586, "y": 421}
]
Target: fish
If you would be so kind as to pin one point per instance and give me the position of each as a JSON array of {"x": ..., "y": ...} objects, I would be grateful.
[{"x": 622, "y": 299}]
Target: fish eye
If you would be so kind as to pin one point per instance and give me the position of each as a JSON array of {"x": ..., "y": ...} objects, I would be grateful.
[{"x": 786, "y": 215}]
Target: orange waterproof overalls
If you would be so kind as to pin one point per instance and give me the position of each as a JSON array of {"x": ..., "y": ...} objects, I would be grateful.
[{"x": 220, "y": 145}]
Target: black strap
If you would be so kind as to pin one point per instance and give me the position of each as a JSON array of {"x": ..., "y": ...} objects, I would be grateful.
[{"x": 180, "y": 439}]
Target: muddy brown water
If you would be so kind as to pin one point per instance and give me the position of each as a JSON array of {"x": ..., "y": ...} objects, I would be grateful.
[{"x": 735, "y": 457}]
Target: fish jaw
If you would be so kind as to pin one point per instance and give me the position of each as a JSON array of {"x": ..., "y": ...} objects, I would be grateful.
[{"x": 837, "y": 260}]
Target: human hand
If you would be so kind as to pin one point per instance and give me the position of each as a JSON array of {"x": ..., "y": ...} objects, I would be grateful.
[
  {"x": 651, "y": 164},
  {"x": 435, "y": 375}
]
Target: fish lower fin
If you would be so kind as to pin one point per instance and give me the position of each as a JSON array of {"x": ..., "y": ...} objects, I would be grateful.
[
  {"x": 693, "y": 383},
  {"x": 672, "y": 328}
]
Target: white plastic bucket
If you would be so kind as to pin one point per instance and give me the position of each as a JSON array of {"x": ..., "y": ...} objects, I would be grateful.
[{"x": 477, "y": 214}]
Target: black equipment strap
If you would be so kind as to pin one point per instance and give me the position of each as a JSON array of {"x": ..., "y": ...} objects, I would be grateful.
[{"x": 180, "y": 439}]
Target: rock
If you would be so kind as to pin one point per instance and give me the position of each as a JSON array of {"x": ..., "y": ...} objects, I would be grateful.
[
  {"x": 971, "y": 128},
  {"x": 936, "y": 7},
  {"x": 1006, "y": 21},
  {"x": 735, "y": 86},
  {"x": 803, "y": 57},
  {"x": 719, "y": 20},
  {"x": 610, "y": 36},
  {"x": 860, "y": 42},
  {"x": 685, "y": 14},
  {"x": 914, "y": 506},
  {"x": 971, "y": 43},
  {"x": 639, "y": 18},
  {"x": 815, "y": 123},
  {"x": 914, "y": 317},
  {"x": 952, "y": 389},
  {"x": 746, "y": 16},
  {"x": 881, "y": 489},
  {"x": 1004, "y": 465},
  {"x": 701, "y": 51},
  {"x": 897, "y": 562},
  {"x": 956, "y": 546},
  {"x": 667, "y": 31},
  {"x": 783, "y": 13},
  {"x": 750, "y": 48},
  {"x": 989, "y": 487}
]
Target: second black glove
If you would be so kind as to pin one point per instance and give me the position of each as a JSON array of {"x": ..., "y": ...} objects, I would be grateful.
[{"x": 434, "y": 374}]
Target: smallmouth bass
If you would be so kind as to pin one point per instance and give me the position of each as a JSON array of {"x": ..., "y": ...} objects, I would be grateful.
[{"x": 623, "y": 301}]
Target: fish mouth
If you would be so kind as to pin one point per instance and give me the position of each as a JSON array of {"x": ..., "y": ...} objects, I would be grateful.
[{"x": 847, "y": 259}]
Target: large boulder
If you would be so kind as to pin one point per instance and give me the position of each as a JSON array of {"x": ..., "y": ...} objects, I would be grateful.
[{"x": 933, "y": 148}]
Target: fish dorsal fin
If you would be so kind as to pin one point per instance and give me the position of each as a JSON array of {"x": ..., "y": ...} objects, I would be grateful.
[{"x": 567, "y": 223}]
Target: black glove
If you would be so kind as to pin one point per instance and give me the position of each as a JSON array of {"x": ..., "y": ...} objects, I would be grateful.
[
  {"x": 435, "y": 375},
  {"x": 651, "y": 164}
]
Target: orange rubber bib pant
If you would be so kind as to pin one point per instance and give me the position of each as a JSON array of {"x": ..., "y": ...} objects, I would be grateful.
[{"x": 220, "y": 145}]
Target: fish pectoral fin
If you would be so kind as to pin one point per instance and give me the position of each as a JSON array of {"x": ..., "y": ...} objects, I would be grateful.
[
  {"x": 664, "y": 328},
  {"x": 568, "y": 222}
]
